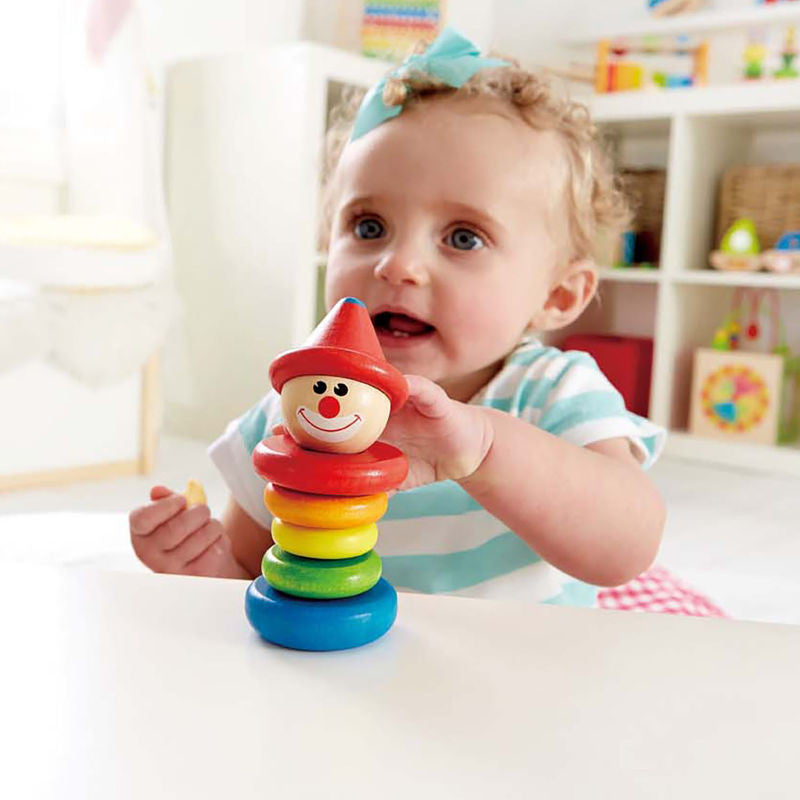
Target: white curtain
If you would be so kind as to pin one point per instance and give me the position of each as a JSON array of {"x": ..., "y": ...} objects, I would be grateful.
[{"x": 102, "y": 110}]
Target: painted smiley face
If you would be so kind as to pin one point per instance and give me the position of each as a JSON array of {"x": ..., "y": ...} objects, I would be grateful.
[{"x": 335, "y": 415}]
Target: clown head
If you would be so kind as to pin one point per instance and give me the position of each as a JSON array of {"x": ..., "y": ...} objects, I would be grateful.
[
  {"x": 338, "y": 390},
  {"x": 340, "y": 415}
]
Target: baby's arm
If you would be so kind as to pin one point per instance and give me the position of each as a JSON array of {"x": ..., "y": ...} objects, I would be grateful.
[
  {"x": 589, "y": 511},
  {"x": 169, "y": 537},
  {"x": 249, "y": 540}
]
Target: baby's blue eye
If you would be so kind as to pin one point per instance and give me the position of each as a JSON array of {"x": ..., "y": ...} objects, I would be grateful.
[
  {"x": 369, "y": 228},
  {"x": 464, "y": 239}
]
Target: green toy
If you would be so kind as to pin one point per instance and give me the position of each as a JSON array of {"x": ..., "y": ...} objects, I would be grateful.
[
  {"x": 740, "y": 248},
  {"x": 788, "y": 55},
  {"x": 741, "y": 239}
]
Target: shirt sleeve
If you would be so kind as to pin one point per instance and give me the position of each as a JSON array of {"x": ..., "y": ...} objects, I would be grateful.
[
  {"x": 566, "y": 394},
  {"x": 232, "y": 454}
]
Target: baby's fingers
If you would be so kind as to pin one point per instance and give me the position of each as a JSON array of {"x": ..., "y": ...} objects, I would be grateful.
[
  {"x": 169, "y": 535},
  {"x": 194, "y": 546},
  {"x": 426, "y": 397},
  {"x": 143, "y": 521}
]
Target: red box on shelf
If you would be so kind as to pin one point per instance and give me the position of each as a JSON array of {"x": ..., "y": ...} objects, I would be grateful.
[{"x": 627, "y": 361}]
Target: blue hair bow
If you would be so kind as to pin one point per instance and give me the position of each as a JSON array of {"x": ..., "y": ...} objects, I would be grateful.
[{"x": 451, "y": 58}]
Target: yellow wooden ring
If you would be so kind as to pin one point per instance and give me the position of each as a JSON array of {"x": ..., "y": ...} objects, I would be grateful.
[
  {"x": 323, "y": 511},
  {"x": 322, "y": 542}
]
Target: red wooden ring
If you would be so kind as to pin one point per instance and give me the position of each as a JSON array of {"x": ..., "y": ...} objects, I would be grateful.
[{"x": 281, "y": 460}]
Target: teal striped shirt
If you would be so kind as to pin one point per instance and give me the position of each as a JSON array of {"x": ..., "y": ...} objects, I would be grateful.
[{"x": 436, "y": 538}]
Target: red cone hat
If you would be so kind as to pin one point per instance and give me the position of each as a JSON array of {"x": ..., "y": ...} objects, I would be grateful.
[{"x": 343, "y": 345}]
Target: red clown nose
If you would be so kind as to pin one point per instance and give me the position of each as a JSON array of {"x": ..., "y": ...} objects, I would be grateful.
[{"x": 328, "y": 407}]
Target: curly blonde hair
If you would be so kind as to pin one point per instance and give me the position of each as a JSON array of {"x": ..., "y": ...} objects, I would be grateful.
[{"x": 596, "y": 205}]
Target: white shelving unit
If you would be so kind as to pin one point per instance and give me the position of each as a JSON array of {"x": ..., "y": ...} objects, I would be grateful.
[
  {"x": 695, "y": 134},
  {"x": 243, "y": 153}
]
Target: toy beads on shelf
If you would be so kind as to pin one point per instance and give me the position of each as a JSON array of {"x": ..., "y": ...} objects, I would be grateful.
[
  {"x": 321, "y": 585},
  {"x": 728, "y": 335},
  {"x": 614, "y": 75}
]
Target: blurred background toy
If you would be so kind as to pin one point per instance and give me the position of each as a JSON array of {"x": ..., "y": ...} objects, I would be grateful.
[
  {"x": 740, "y": 248},
  {"x": 745, "y": 394},
  {"x": 754, "y": 54},
  {"x": 788, "y": 55},
  {"x": 390, "y": 30},
  {"x": 615, "y": 72},
  {"x": 663, "y": 8},
  {"x": 645, "y": 191},
  {"x": 785, "y": 256}
]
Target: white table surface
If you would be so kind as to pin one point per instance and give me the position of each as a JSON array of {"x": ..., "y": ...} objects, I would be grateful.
[{"x": 118, "y": 685}]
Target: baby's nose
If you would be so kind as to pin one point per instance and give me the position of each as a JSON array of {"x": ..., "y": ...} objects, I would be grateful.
[{"x": 328, "y": 407}]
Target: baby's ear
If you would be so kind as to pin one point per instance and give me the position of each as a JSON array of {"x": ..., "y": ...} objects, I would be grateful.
[{"x": 569, "y": 296}]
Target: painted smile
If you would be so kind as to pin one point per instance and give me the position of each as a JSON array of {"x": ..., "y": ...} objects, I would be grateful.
[{"x": 312, "y": 424}]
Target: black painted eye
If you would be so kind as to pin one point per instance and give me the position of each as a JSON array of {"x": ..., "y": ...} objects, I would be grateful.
[
  {"x": 320, "y": 387},
  {"x": 340, "y": 389},
  {"x": 369, "y": 228},
  {"x": 464, "y": 239}
]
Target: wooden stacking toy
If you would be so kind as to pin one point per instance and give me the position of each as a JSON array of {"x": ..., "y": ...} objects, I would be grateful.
[{"x": 321, "y": 585}]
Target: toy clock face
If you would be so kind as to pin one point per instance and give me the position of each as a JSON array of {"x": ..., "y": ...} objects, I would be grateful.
[
  {"x": 735, "y": 398},
  {"x": 335, "y": 415}
]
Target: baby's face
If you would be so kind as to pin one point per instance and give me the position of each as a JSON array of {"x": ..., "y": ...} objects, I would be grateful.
[
  {"x": 448, "y": 223},
  {"x": 335, "y": 415}
]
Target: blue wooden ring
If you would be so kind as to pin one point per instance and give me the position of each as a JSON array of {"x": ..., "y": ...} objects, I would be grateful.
[{"x": 302, "y": 624}]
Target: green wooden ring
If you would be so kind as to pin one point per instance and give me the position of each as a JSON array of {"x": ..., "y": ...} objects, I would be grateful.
[{"x": 317, "y": 578}]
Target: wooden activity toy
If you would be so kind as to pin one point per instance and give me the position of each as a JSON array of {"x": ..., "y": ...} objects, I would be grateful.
[
  {"x": 615, "y": 72},
  {"x": 321, "y": 585},
  {"x": 746, "y": 396}
]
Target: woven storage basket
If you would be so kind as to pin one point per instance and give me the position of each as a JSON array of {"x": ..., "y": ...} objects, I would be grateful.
[
  {"x": 769, "y": 195},
  {"x": 645, "y": 189}
]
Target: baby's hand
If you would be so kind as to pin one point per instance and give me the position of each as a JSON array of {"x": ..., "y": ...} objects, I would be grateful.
[
  {"x": 442, "y": 438},
  {"x": 169, "y": 537}
]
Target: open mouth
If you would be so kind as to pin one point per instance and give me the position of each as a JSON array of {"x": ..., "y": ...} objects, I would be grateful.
[{"x": 395, "y": 326}]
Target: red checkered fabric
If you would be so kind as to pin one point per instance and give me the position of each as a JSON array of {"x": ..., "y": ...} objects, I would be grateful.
[{"x": 660, "y": 592}]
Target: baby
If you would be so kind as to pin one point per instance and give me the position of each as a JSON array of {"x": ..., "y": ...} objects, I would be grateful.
[{"x": 462, "y": 206}]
